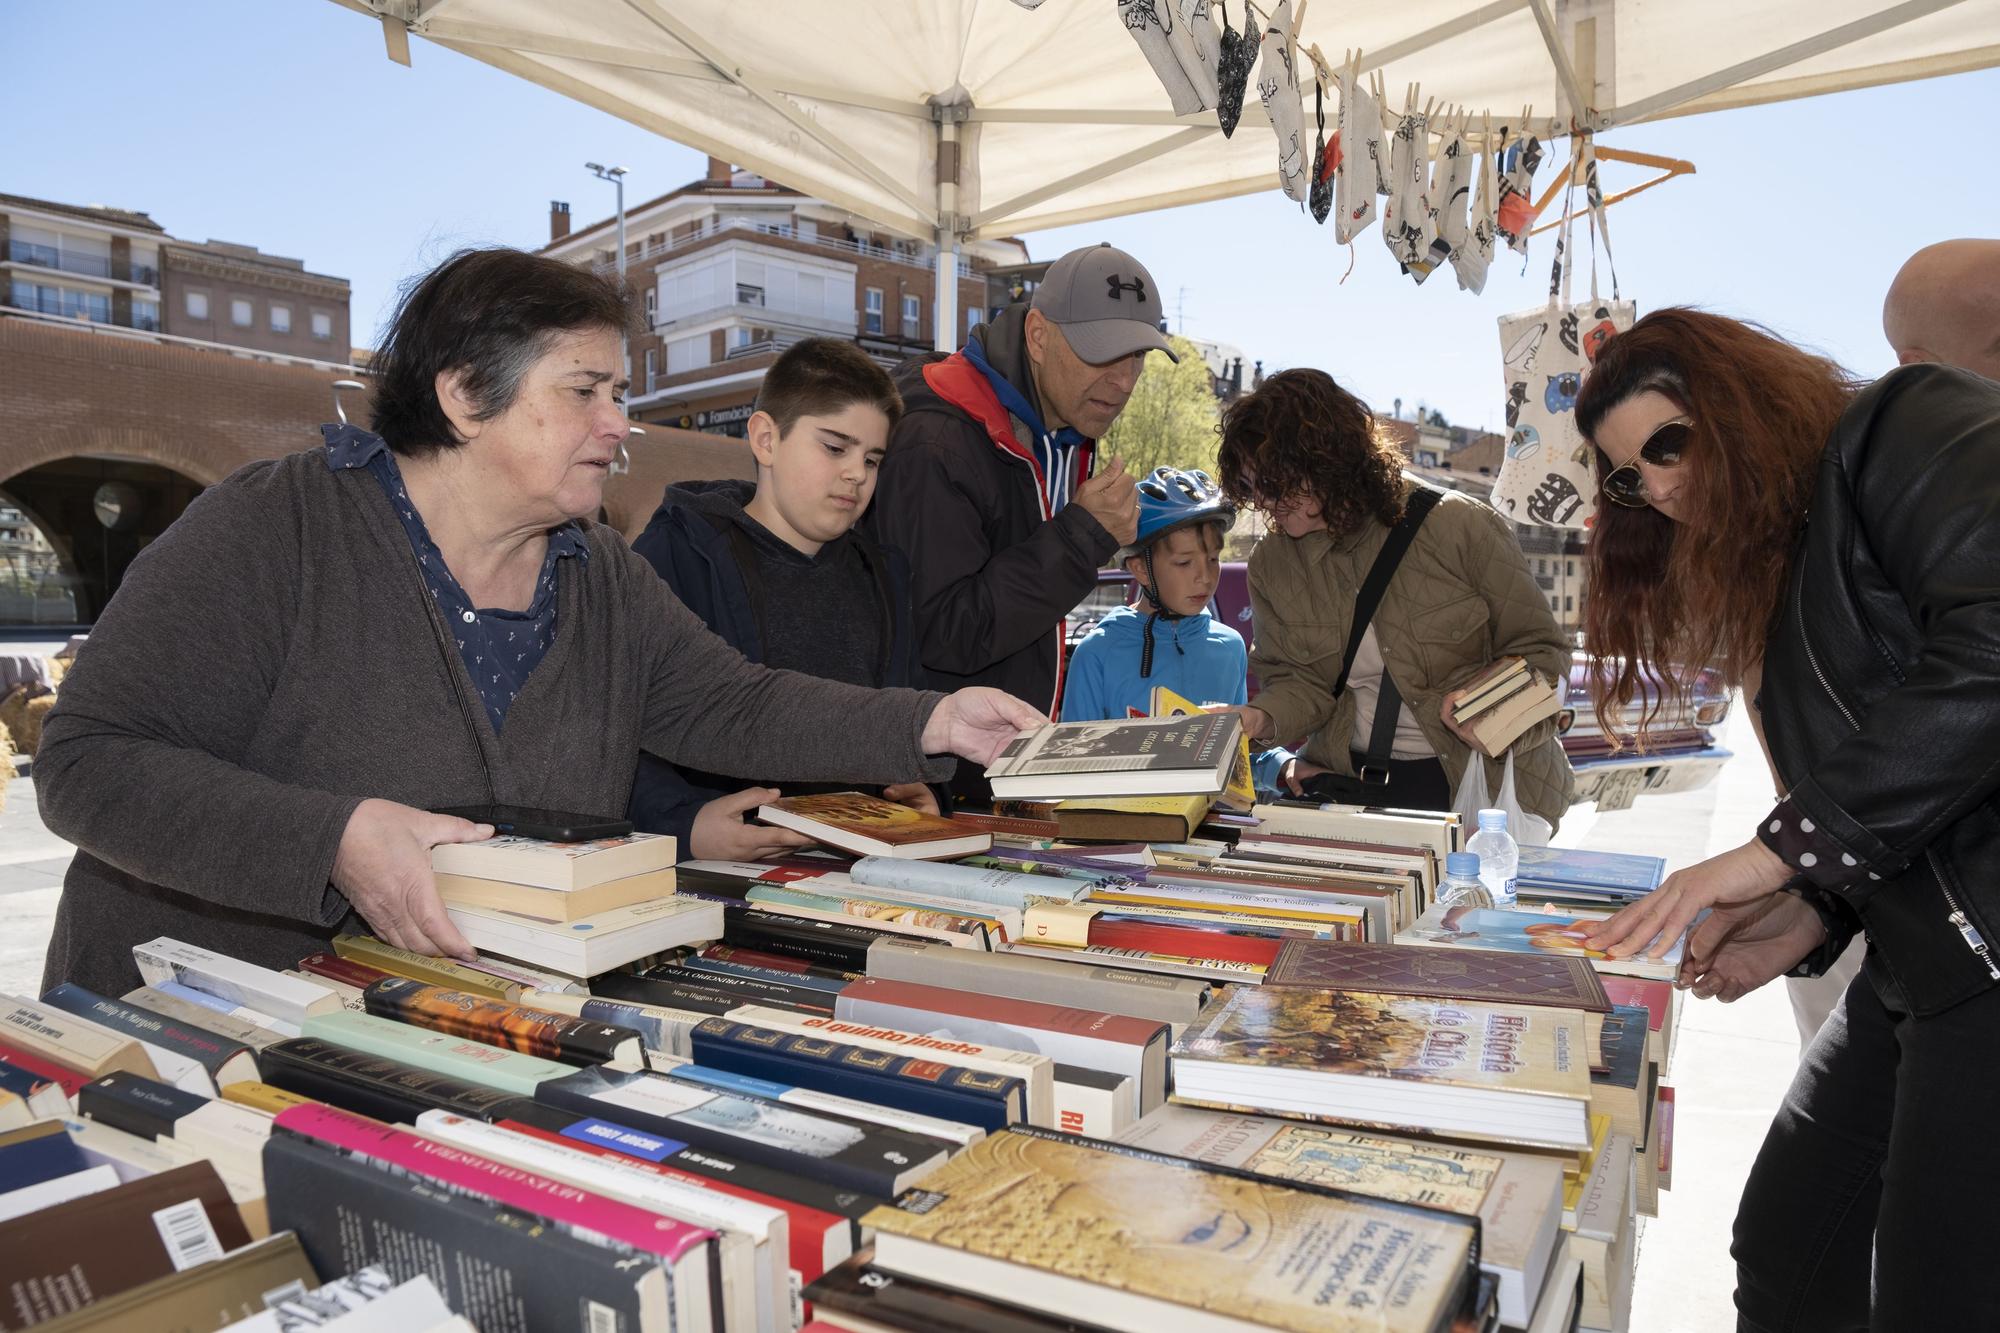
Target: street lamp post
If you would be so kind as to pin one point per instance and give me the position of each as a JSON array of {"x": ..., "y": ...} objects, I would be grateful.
[{"x": 616, "y": 175}]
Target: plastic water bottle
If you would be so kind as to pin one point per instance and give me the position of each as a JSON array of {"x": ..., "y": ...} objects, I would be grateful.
[
  {"x": 1499, "y": 858},
  {"x": 1461, "y": 885}
]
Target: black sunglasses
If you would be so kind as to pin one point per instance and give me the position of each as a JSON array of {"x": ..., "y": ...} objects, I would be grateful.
[{"x": 1625, "y": 484}]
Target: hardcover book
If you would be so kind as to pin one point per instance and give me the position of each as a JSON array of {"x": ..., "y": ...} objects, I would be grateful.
[
  {"x": 1533, "y": 934},
  {"x": 1139, "y": 1241},
  {"x": 372, "y": 1085},
  {"x": 870, "y": 1159},
  {"x": 553, "y": 904},
  {"x": 441, "y": 1052},
  {"x": 553, "y": 1036},
  {"x": 676, "y": 985},
  {"x": 50, "y": 1034},
  {"x": 555, "y": 865},
  {"x": 1116, "y": 990},
  {"x": 829, "y": 943},
  {"x": 863, "y": 1296},
  {"x": 1120, "y": 757},
  {"x": 1131, "y": 818},
  {"x": 1239, "y": 794},
  {"x": 482, "y": 1221},
  {"x": 233, "y": 1286},
  {"x": 215, "y": 1022},
  {"x": 870, "y": 826},
  {"x": 1451, "y": 974},
  {"x": 1504, "y": 1073},
  {"x": 911, "y": 1083}
]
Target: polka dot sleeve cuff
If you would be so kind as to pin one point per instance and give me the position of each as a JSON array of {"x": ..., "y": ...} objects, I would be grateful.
[{"x": 1810, "y": 849}]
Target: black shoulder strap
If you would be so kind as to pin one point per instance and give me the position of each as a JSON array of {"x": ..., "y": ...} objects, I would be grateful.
[{"x": 1422, "y": 500}]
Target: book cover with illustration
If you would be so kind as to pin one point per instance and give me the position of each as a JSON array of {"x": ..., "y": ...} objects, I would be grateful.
[
  {"x": 1240, "y": 793},
  {"x": 1455, "y": 1043},
  {"x": 872, "y": 826},
  {"x": 1531, "y": 933},
  {"x": 1543, "y": 979},
  {"x": 1166, "y": 1232},
  {"x": 1574, "y": 867},
  {"x": 1120, "y": 756}
]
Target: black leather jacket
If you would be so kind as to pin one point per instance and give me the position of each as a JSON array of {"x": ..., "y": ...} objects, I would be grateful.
[{"x": 1881, "y": 688}]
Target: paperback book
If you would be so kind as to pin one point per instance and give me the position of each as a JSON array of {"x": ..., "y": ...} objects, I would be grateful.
[
  {"x": 555, "y": 865},
  {"x": 870, "y": 826}
]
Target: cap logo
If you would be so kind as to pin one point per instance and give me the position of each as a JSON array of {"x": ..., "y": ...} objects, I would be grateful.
[{"x": 1136, "y": 287}]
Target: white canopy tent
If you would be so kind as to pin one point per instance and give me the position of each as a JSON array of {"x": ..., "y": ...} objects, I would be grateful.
[{"x": 950, "y": 119}]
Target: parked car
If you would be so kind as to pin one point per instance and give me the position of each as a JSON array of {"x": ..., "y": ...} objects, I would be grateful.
[{"x": 1681, "y": 756}]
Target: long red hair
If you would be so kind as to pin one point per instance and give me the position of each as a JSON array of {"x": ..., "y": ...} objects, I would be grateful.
[{"x": 1670, "y": 598}]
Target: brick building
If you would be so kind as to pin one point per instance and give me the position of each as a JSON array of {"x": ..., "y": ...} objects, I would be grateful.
[
  {"x": 732, "y": 269},
  {"x": 220, "y": 292}
]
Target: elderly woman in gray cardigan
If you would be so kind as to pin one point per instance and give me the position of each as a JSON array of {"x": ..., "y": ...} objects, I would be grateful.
[{"x": 328, "y": 645}]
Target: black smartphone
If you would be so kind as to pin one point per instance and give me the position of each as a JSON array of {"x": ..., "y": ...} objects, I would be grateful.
[{"x": 550, "y": 825}]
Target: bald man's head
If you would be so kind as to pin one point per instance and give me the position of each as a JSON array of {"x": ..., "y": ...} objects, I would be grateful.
[{"x": 1945, "y": 306}]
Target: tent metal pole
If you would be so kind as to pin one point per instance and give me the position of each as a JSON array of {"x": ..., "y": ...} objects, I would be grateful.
[
  {"x": 809, "y": 128},
  {"x": 1805, "y": 49},
  {"x": 944, "y": 316}
]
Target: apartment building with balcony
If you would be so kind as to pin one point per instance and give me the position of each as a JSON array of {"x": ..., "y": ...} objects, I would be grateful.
[
  {"x": 80, "y": 262},
  {"x": 732, "y": 269}
]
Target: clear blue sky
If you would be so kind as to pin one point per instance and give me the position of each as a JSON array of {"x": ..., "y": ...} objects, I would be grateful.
[{"x": 280, "y": 124}]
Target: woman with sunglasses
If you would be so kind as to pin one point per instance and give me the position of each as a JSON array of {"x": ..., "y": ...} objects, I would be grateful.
[
  {"x": 1833, "y": 548},
  {"x": 1311, "y": 455}
]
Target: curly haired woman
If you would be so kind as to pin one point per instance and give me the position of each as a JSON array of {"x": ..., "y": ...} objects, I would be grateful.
[{"x": 1310, "y": 455}]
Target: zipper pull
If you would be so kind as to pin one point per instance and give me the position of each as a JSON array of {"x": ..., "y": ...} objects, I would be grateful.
[{"x": 1974, "y": 941}]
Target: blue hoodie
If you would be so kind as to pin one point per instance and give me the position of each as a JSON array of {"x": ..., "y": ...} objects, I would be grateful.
[{"x": 1195, "y": 657}]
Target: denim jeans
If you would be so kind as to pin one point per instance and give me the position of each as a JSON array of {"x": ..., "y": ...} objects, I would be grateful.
[{"x": 1875, "y": 1201}]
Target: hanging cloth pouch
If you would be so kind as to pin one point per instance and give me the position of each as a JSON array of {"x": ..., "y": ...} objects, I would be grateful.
[
  {"x": 1407, "y": 226},
  {"x": 1232, "y": 70},
  {"x": 1151, "y": 24},
  {"x": 1358, "y": 134},
  {"x": 1325, "y": 163},
  {"x": 1515, "y": 208},
  {"x": 1198, "y": 47},
  {"x": 1284, "y": 105},
  {"x": 1475, "y": 257},
  {"x": 1547, "y": 477}
]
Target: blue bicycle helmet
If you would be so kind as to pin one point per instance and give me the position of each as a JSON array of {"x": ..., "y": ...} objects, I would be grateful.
[{"x": 1170, "y": 499}]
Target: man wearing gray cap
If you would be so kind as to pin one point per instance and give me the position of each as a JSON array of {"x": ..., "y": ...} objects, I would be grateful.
[{"x": 990, "y": 486}]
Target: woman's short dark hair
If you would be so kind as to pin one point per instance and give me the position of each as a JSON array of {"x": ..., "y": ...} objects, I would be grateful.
[
  {"x": 821, "y": 376},
  {"x": 1299, "y": 433},
  {"x": 490, "y": 314}
]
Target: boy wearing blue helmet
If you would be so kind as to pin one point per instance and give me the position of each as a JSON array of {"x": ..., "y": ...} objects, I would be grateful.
[{"x": 1168, "y": 638}]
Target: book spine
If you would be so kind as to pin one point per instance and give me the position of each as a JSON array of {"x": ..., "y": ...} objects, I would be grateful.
[
  {"x": 263, "y": 1097},
  {"x": 907, "y": 918},
  {"x": 440, "y": 1052},
  {"x": 744, "y": 990},
  {"x": 968, "y": 1002},
  {"x": 213, "y": 1022},
  {"x": 1207, "y": 944},
  {"x": 205, "y": 1049},
  {"x": 712, "y": 1163},
  {"x": 347, "y": 971},
  {"x": 662, "y": 1031},
  {"x": 140, "y": 1106},
  {"x": 949, "y": 1134},
  {"x": 778, "y": 976},
  {"x": 259, "y": 988},
  {"x": 349, "y": 1214},
  {"x": 570, "y": 1040},
  {"x": 663, "y": 992},
  {"x": 648, "y": 1233},
  {"x": 909, "y": 1083},
  {"x": 392, "y": 961},
  {"x": 1089, "y": 1106},
  {"x": 838, "y": 1152},
  {"x": 1179, "y": 965},
  {"x": 725, "y": 953},
  {"x": 828, "y": 943},
  {"x": 66, "y": 1039},
  {"x": 69, "y": 1080},
  {"x": 999, "y": 888},
  {"x": 1146, "y": 995},
  {"x": 372, "y": 1085}
]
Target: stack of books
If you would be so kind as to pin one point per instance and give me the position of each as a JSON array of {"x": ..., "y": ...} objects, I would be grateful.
[{"x": 1505, "y": 700}]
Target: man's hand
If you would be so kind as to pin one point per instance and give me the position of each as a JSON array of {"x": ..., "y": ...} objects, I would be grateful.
[
  {"x": 1738, "y": 877},
  {"x": 720, "y": 833},
  {"x": 977, "y": 723},
  {"x": 1112, "y": 498},
  {"x": 1295, "y": 773},
  {"x": 383, "y": 865},
  {"x": 913, "y": 794},
  {"x": 1463, "y": 733},
  {"x": 1738, "y": 949}
]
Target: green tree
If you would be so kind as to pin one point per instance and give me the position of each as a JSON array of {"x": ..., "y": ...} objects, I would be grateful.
[{"x": 1171, "y": 418}]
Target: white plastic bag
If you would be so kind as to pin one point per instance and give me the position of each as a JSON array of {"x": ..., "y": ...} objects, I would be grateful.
[{"x": 1474, "y": 795}]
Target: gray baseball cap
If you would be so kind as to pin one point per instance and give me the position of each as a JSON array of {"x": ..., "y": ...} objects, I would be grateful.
[{"x": 1105, "y": 303}]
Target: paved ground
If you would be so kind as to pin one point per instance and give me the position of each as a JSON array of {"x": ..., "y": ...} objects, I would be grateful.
[{"x": 1731, "y": 1067}]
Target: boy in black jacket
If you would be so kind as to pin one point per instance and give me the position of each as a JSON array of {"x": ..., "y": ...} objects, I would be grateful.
[{"x": 778, "y": 569}]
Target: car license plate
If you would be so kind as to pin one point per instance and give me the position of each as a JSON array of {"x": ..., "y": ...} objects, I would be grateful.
[{"x": 1617, "y": 790}]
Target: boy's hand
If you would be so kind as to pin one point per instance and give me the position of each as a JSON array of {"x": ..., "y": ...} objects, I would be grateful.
[
  {"x": 720, "y": 833},
  {"x": 1112, "y": 498},
  {"x": 913, "y": 794},
  {"x": 1296, "y": 773}
]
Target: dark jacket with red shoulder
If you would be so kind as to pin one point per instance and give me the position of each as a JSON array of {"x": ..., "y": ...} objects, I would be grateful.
[{"x": 993, "y": 574}]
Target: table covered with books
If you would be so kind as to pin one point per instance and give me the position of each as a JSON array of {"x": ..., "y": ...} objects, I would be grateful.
[{"x": 1172, "y": 1060}]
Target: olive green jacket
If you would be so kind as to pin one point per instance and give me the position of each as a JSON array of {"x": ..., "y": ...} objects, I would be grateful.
[{"x": 1462, "y": 598}]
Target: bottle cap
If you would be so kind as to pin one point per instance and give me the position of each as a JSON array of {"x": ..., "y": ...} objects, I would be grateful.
[
  {"x": 1462, "y": 865},
  {"x": 1493, "y": 819}
]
